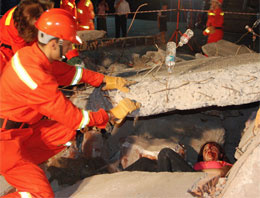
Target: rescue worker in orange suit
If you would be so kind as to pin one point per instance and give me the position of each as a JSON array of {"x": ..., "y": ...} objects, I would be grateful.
[
  {"x": 69, "y": 5},
  {"x": 84, "y": 13},
  {"x": 17, "y": 27},
  {"x": 215, "y": 21},
  {"x": 29, "y": 90}
]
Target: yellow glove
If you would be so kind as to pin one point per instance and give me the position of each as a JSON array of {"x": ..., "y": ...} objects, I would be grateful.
[
  {"x": 124, "y": 107},
  {"x": 209, "y": 30},
  {"x": 115, "y": 83}
]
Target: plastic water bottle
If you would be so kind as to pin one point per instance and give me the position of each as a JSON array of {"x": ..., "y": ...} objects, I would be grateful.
[
  {"x": 186, "y": 37},
  {"x": 170, "y": 55}
]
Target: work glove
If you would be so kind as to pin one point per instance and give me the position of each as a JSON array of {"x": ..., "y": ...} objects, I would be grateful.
[
  {"x": 115, "y": 83},
  {"x": 209, "y": 30},
  {"x": 123, "y": 108},
  {"x": 98, "y": 119}
]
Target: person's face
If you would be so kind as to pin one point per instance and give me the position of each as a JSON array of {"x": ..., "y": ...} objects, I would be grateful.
[
  {"x": 210, "y": 152},
  {"x": 214, "y": 5},
  {"x": 67, "y": 45}
]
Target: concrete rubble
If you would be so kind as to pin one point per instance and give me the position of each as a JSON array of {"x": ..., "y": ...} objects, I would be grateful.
[
  {"x": 229, "y": 76},
  {"x": 204, "y": 82},
  {"x": 242, "y": 181},
  {"x": 225, "y": 48},
  {"x": 215, "y": 81}
]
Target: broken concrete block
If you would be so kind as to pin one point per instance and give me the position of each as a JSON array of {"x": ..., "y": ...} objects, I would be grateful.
[
  {"x": 225, "y": 48},
  {"x": 195, "y": 84},
  {"x": 248, "y": 135},
  {"x": 5, "y": 188},
  {"x": 89, "y": 35},
  {"x": 243, "y": 180},
  {"x": 135, "y": 184}
]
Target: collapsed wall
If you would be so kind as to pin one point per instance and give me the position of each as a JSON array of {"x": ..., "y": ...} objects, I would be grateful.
[{"x": 213, "y": 81}]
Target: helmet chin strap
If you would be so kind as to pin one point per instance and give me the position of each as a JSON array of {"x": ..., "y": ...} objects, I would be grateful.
[{"x": 61, "y": 48}]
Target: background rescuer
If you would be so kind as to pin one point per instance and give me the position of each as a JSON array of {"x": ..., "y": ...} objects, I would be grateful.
[
  {"x": 215, "y": 21},
  {"x": 17, "y": 27},
  {"x": 29, "y": 90}
]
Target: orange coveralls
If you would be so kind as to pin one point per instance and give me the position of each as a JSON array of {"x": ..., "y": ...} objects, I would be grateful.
[
  {"x": 85, "y": 15},
  {"x": 216, "y": 19},
  {"x": 9, "y": 36},
  {"x": 29, "y": 90},
  {"x": 69, "y": 5}
]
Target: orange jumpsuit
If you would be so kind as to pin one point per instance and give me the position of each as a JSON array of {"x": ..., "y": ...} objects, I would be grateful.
[
  {"x": 85, "y": 15},
  {"x": 216, "y": 19},
  {"x": 69, "y": 5},
  {"x": 10, "y": 40},
  {"x": 29, "y": 90}
]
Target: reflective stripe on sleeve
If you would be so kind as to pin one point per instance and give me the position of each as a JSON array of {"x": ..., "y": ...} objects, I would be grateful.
[
  {"x": 25, "y": 194},
  {"x": 70, "y": 4},
  {"x": 9, "y": 17},
  {"x": 85, "y": 27},
  {"x": 87, "y": 3},
  {"x": 85, "y": 120},
  {"x": 80, "y": 11},
  {"x": 211, "y": 14},
  {"x": 22, "y": 73},
  {"x": 221, "y": 13},
  {"x": 78, "y": 75}
]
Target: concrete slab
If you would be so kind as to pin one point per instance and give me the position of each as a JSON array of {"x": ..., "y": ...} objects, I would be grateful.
[
  {"x": 214, "y": 81},
  {"x": 133, "y": 184}
]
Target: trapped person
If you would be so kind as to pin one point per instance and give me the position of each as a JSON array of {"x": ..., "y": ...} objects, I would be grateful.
[
  {"x": 162, "y": 22},
  {"x": 121, "y": 9},
  {"x": 211, "y": 159},
  {"x": 215, "y": 21},
  {"x": 101, "y": 18},
  {"x": 17, "y": 27},
  {"x": 29, "y": 91}
]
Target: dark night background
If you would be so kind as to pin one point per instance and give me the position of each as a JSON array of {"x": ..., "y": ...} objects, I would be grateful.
[
  {"x": 188, "y": 19},
  {"x": 228, "y": 5}
]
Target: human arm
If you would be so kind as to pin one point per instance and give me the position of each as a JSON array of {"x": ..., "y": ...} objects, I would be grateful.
[
  {"x": 214, "y": 167},
  {"x": 127, "y": 9},
  {"x": 218, "y": 171},
  {"x": 66, "y": 74},
  {"x": 70, "y": 75}
]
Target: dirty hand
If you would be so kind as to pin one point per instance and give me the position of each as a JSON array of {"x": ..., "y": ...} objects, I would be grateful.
[
  {"x": 115, "y": 83},
  {"x": 124, "y": 107}
]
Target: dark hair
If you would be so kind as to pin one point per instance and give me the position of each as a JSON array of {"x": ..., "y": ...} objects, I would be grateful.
[
  {"x": 222, "y": 156},
  {"x": 26, "y": 12}
]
